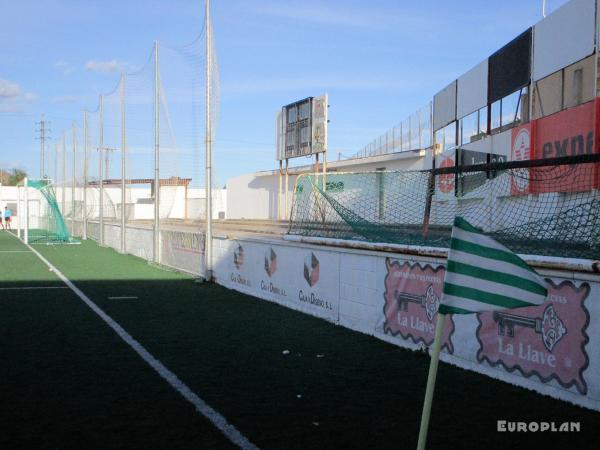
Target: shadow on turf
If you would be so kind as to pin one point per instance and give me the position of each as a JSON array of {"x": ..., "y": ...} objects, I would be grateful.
[{"x": 228, "y": 347}]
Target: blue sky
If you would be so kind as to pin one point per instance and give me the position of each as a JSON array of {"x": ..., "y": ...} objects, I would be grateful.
[{"x": 378, "y": 60}]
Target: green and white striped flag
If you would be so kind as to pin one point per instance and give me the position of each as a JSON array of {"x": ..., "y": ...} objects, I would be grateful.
[{"x": 483, "y": 275}]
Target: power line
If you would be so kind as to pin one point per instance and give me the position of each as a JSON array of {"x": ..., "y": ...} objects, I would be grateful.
[{"x": 44, "y": 133}]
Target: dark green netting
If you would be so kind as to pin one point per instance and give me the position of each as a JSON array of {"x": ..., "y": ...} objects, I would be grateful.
[{"x": 552, "y": 210}]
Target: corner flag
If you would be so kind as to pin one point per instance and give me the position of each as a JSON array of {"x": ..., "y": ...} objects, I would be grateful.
[{"x": 481, "y": 275}]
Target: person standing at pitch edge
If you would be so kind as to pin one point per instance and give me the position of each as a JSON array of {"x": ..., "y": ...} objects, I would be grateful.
[{"x": 7, "y": 214}]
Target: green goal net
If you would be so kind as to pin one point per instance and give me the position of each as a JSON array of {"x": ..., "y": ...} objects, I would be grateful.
[{"x": 45, "y": 222}]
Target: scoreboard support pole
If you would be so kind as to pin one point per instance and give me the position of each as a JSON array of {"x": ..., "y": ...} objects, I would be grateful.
[
  {"x": 279, "y": 212},
  {"x": 287, "y": 184},
  {"x": 324, "y": 169}
]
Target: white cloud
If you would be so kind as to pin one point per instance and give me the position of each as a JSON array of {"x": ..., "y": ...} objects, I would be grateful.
[
  {"x": 103, "y": 66},
  {"x": 13, "y": 98},
  {"x": 9, "y": 90},
  {"x": 64, "y": 67}
]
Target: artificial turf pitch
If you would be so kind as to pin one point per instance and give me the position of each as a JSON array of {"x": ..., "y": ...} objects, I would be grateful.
[{"x": 68, "y": 381}]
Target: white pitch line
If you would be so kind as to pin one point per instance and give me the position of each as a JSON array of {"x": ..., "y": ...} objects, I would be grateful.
[
  {"x": 230, "y": 432},
  {"x": 31, "y": 288},
  {"x": 122, "y": 298},
  {"x": 15, "y": 251}
]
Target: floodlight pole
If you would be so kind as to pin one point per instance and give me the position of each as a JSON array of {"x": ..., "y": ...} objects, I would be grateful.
[
  {"x": 123, "y": 196},
  {"x": 26, "y": 213},
  {"x": 85, "y": 173},
  {"x": 208, "y": 144},
  {"x": 156, "y": 158},
  {"x": 100, "y": 175}
]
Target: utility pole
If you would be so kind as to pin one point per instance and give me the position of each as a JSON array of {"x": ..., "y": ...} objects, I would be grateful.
[
  {"x": 108, "y": 152},
  {"x": 44, "y": 135},
  {"x": 208, "y": 150}
]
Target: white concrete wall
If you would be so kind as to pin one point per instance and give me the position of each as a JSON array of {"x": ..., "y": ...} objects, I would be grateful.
[
  {"x": 8, "y": 194},
  {"x": 173, "y": 202}
]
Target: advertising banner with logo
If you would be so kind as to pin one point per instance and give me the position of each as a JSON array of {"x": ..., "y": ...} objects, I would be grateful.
[
  {"x": 547, "y": 342},
  {"x": 546, "y": 348},
  {"x": 566, "y": 133},
  {"x": 241, "y": 264},
  {"x": 411, "y": 299},
  {"x": 299, "y": 278},
  {"x": 469, "y": 182},
  {"x": 520, "y": 150},
  {"x": 445, "y": 184}
]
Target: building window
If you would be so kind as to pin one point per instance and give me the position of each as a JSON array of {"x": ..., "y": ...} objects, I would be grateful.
[
  {"x": 496, "y": 114},
  {"x": 508, "y": 111},
  {"x": 446, "y": 137},
  {"x": 483, "y": 121},
  {"x": 469, "y": 128},
  {"x": 511, "y": 109}
]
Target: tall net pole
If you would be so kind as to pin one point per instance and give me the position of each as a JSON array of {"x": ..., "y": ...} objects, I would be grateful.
[
  {"x": 100, "y": 175},
  {"x": 73, "y": 182},
  {"x": 19, "y": 212},
  {"x": 208, "y": 240},
  {"x": 156, "y": 158},
  {"x": 56, "y": 164},
  {"x": 64, "y": 174},
  {"x": 26, "y": 212},
  {"x": 123, "y": 163},
  {"x": 85, "y": 174}
]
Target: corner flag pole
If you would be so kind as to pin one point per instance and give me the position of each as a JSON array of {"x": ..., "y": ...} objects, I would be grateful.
[{"x": 433, "y": 366}]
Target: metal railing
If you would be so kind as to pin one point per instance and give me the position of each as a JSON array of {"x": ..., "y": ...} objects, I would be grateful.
[{"x": 413, "y": 133}]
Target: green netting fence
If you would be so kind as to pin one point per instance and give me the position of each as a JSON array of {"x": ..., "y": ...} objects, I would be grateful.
[{"x": 535, "y": 207}]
